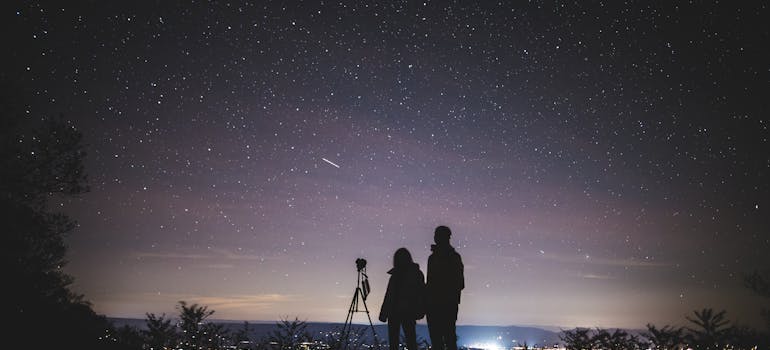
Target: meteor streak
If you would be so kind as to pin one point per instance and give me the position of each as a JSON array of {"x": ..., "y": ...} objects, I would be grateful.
[{"x": 330, "y": 162}]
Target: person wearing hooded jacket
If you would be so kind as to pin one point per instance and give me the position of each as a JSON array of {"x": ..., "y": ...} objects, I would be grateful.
[
  {"x": 445, "y": 282},
  {"x": 404, "y": 299}
]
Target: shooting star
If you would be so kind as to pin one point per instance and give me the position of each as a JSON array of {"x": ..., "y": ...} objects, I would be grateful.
[{"x": 330, "y": 162}]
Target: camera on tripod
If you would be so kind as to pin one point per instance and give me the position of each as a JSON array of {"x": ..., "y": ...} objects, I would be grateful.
[
  {"x": 359, "y": 296},
  {"x": 363, "y": 279},
  {"x": 360, "y": 264}
]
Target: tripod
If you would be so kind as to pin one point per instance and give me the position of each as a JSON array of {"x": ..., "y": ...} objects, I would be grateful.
[{"x": 360, "y": 294}]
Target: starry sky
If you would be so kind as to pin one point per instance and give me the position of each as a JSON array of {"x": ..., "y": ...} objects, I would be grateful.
[{"x": 600, "y": 163}]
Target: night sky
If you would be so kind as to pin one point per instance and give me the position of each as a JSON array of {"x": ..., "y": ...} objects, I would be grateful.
[{"x": 600, "y": 164}]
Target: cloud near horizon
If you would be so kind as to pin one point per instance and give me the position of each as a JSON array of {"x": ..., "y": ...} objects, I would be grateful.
[
  {"x": 592, "y": 260},
  {"x": 212, "y": 253}
]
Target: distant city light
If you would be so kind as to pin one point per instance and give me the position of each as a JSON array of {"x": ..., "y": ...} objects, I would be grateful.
[{"x": 487, "y": 346}]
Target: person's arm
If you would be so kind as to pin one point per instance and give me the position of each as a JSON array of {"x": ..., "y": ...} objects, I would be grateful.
[
  {"x": 421, "y": 297},
  {"x": 459, "y": 275},
  {"x": 428, "y": 270},
  {"x": 386, "y": 303},
  {"x": 461, "y": 268}
]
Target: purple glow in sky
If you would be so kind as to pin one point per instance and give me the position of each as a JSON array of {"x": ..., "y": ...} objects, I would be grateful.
[{"x": 599, "y": 164}]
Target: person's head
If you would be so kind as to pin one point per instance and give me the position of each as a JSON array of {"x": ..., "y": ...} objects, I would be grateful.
[
  {"x": 441, "y": 235},
  {"x": 402, "y": 258}
]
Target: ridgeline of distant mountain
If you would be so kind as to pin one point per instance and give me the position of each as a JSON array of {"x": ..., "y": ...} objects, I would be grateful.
[{"x": 469, "y": 336}]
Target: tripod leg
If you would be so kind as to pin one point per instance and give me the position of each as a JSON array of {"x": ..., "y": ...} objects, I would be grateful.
[
  {"x": 348, "y": 326},
  {"x": 371, "y": 325}
]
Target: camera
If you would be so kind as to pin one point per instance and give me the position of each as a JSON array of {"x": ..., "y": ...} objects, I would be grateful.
[{"x": 360, "y": 264}]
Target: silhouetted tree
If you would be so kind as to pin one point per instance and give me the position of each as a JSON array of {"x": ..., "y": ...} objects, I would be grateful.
[
  {"x": 196, "y": 332},
  {"x": 616, "y": 340},
  {"x": 289, "y": 335},
  {"x": 160, "y": 333},
  {"x": 666, "y": 338},
  {"x": 41, "y": 159},
  {"x": 712, "y": 330},
  {"x": 577, "y": 339}
]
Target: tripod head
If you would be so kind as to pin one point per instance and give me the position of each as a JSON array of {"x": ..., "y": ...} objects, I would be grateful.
[
  {"x": 361, "y": 264},
  {"x": 363, "y": 279}
]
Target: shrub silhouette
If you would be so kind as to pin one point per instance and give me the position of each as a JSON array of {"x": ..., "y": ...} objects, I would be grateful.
[
  {"x": 666, "y": 338},
  {"x": 616, "y": 340},
  {"x": 196, "y": 332},
  {"x": 289, "y": 335},
  {"x": 160, "y": 332},
  {"x": 711, "y": 331},
  {"x": 578, "y": 339}
]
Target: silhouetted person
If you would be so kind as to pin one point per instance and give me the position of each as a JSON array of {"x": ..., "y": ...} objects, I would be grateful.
[
  {"x": 445, "y": 281},
  {"x": 404, "y": 299}
]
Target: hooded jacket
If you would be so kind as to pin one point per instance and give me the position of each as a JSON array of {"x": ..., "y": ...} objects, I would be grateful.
[
  {"x": 445, "y": 275},
  {"x": 405, "y": 295}
]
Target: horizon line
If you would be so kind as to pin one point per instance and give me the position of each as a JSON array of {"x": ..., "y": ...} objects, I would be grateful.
[{"x": 543, "y": 327}]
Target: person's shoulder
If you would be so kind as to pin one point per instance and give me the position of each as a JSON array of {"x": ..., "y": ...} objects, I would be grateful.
[
  {"x": 456, "y": 255},
  {"x": 418, "y": 272}
]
